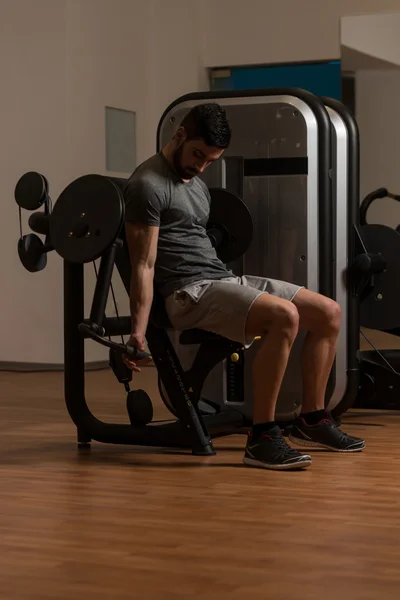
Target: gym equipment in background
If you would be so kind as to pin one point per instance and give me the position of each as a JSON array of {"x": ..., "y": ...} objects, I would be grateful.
[
  {"x": 87, "y": 224},
  {"x": 376, "y": 274},
  {"x": 345, "y": 177},
  {"x": 294, "y": 159},
  {"x": 31, "y": 193},
  {"x": 281, "y": 167}
]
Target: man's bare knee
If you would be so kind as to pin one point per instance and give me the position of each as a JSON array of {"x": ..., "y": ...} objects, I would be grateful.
[
  {"x": 287, "y": 319},
  {"x": 332, "y": 316},
  {"x": 269, "y": 314},
  {"x": 318, "y": 314}
]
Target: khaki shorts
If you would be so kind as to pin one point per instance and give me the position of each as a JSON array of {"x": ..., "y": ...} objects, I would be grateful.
[{"x": 222, "y": 306}]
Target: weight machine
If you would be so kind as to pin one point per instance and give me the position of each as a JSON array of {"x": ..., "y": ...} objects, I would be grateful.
[
  {"x": 284, "y": 205},
  {"x": 294, "y": 159},
  {"x": 378, "y": 279},
  {"x": 85, "y": 225}
]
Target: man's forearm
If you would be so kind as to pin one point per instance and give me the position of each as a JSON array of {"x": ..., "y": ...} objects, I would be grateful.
[{"x": 141, "y": 297}]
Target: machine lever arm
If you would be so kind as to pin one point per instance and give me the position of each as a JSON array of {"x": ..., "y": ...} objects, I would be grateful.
[{"x": 130, "y": 351}]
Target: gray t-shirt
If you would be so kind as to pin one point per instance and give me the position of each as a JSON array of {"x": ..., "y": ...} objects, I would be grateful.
[{"x": 155, "y": 195}]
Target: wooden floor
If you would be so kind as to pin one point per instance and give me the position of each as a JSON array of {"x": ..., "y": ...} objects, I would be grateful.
[{"x": 119, "y": 523}]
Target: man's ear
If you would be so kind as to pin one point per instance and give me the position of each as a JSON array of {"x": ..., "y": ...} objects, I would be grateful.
[{"x": 180, "y": 135}]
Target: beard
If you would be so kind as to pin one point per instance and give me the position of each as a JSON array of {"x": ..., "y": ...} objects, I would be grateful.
[{"x": 177, "y": 160}]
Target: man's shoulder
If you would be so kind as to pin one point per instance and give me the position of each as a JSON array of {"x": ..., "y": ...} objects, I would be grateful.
[{"x": 152, "y": 173}]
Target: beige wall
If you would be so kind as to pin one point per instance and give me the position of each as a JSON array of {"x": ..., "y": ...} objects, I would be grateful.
[
  {"x": 177, "y": 51},
  {"x": 259, "y": 31},
  {"x": 374, "y": 35},
  {"x": 63, "y": 61},
  {"x": 33, "y": 137},
  {"x": 378, "y": 94},
  {"x": 108, "y": 63}
]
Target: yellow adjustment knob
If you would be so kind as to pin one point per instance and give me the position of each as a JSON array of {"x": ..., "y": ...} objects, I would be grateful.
[
  {"x": 258, "y": 337},
  {"x": 235, "y": 357}
]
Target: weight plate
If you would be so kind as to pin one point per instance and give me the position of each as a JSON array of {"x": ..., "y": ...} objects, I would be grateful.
[
  {"x": 86, "y": 218},
  {"x": 380, "y": 308},
  {"x": 30, "y": 191},
  {"x": 31, "y": 253},
  {"x": 139, "y": 407},
  {"x": 231, "y": 213}
]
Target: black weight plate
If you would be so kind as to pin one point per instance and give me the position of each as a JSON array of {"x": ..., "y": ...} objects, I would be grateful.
[
  {"x": 231, "y": 212},
  {"x": 30, "y": 191},
  {"x": 86, "y": 218},
  {"x": 31, "y": 253},
  {"x": 380, "y": 308},
  {"x": 139, "y": 407}
]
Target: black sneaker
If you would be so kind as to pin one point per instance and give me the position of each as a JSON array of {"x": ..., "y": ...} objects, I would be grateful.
[
  {"x": 270, "y": 451},
  {"x": 325, "y": 434}
]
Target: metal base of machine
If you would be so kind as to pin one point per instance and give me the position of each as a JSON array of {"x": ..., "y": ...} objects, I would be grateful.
[{"x": 379, "y": 384}]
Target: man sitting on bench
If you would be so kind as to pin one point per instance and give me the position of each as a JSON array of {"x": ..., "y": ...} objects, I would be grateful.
[{"x": 167, "y": 209}]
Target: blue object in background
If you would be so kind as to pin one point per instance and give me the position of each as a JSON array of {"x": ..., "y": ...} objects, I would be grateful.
[{"x": 322, "y": 79}]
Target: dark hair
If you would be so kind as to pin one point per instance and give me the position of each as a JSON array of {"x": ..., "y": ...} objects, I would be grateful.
[{"x": 209, "y": 123}]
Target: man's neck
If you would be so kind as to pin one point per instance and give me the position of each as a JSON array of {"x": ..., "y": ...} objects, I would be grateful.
[{"x": 168, "y": 152}]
